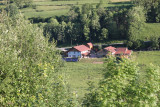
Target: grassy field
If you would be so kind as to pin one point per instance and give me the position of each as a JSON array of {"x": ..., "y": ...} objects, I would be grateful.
[
  {"x": 78, "y": 74},
  {"x": 45, "y": 14},
  {"x": 150, "y": 30},
  {"x": 49, "y": 8},
  {"x": 145, "y": 58}
]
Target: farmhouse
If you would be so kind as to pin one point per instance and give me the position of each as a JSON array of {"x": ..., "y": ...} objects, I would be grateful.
[
  {"x": 123, "y": 52},
  {"x": 81, "y": 51},
  {"x": 85, "y": 51},
  {"x": 118, "y": 52}
]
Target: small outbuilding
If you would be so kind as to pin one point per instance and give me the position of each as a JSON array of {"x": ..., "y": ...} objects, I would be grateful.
[
  {"x": 123, "y": 52},
  {"x": 118, "y": 52},
  {"x": 108, "y": 50}
]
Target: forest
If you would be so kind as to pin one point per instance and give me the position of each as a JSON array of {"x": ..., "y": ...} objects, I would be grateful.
[
  {"x": 98, "y": 24},
  {"x": 32, "y": 72}
]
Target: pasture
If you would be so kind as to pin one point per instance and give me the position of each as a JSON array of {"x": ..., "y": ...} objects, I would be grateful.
[
  {"x": 78, "y": 74},
  {"x": 145, "y": 58},
  {"x": 149, "y": 31},
  {"x": 49, "y": 8}
]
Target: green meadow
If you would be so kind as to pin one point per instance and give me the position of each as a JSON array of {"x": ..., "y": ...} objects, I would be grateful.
[
  {"x": 49, "y": 8},
  {"x": 78, "y": 74},
  {"x": 146, "y": 58},
  {"x": 150, "y": 30}
]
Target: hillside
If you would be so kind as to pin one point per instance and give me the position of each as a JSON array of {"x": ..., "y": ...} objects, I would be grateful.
[
  {"x": 150, "y": 30},
  {"x": 49, "y": 8}
]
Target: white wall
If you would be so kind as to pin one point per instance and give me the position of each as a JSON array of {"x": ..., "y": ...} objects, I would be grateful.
[
  {"x": 74, "y": 54},
  {"x": 84, "y": 51}
]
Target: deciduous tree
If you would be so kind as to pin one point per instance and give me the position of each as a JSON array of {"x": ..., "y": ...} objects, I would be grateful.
[
  {"x": 136, "y": 21},
  {"x": 29, "y": 66},
  {"x": 125, "y": 85}
]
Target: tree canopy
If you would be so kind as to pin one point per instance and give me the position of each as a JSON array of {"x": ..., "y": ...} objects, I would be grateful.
[
  {"x": 28, "y": 66},
  {"x": 125, "y": 85}
]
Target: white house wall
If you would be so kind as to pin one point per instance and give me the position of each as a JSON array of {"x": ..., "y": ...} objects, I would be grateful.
[
  {"x": 84, "y": 52},
  {"x": 75, "y": 54}
]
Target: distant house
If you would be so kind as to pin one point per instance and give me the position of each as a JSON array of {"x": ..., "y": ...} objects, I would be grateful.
[
  {"x": 80, "y": 51},
  {"x": 123, "y": 52},
  {"x": 110, "y": 49},
  {"x": 105, "y": 51},
  {"x": 119, "y": 52}
]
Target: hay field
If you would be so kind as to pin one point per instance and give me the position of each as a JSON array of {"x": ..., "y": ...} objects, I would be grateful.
[{"x": 49, "y": 8}]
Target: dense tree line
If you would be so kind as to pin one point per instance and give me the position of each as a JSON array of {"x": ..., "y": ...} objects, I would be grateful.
[
  {"x": 144, "y": 11},
  {"x": 151, "y": 8},
  {"x": 22, "y": 3},
  {"x": 138, "y": 16},
  {"x": 100, "y": 24},
  {"x": 88, "y": 24},
  {"x": 81, "y": 26}
]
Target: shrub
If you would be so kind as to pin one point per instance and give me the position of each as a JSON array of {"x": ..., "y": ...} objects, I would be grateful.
[
  {"x": 124, "y": 85},
  {"x": 28, "y": 66}
]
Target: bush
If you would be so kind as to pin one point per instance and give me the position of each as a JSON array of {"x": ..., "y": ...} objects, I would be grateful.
[
  {"x": 124, "y": 85},
  {"x": 28, "y": 66}
]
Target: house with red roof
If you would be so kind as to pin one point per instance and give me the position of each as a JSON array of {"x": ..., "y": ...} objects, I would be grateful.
[
  {"x": 105, "y": 51},
  {"x": 80, "y": 51},
  {"x": 110, "y": 49},
  {"x": 123, "y": 52},
  {"x": 119, "y": 52}
]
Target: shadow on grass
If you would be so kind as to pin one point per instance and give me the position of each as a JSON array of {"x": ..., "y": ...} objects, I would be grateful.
[{"x": 122, "y": 3}]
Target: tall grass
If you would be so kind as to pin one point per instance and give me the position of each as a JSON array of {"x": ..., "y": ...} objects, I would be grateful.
[
  {"x": 150, "y": 30},
  {"x": 145, "y": 58},
  {"x": 80, "y": 73}
]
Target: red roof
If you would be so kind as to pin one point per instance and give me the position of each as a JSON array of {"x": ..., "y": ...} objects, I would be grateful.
[
  {"x": 110, "y": 48},
  {"x": 90, "y": 45},
  {"x": 123, "y": 51},
  {"x": 81, "y": 48},
  {"x": 129, "y": 52}
]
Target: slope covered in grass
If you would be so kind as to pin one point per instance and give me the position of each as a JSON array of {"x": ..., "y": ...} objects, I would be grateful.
[
  {"x": 149, "y": 31},
  {"x": 49, "y": 8},
  {"x": 80, "y": 73},
  {"x": 145, "y": 58}
]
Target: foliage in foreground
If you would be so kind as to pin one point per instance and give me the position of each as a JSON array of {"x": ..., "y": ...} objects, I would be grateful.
[
  {"x": 28, "y": 66},
  {"x": 124, "y": 85}
]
